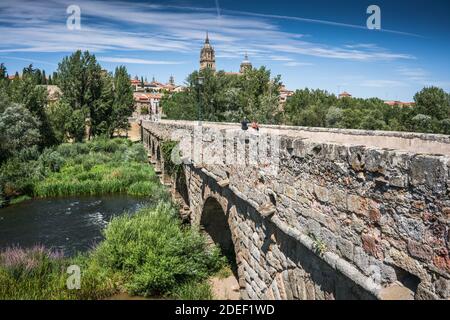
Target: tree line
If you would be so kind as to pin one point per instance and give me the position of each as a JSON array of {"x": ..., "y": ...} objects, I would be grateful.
[
  {"x": 30, "y": 125},
  {"x": 91, "y": 98},
  {"x": 255, "y": 95},
  {"x": 226, "y": 97}
]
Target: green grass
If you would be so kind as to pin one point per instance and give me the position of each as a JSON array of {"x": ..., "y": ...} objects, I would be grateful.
[
  {"x": 20, "y": 199},
  {"x": 100, "y": 167},
  {"x": 147, "y": 254}
]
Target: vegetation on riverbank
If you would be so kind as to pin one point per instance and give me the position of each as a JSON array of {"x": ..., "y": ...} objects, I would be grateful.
[
  {"x": 101, "y": 166},
  {"x": 147, "y": 254}
]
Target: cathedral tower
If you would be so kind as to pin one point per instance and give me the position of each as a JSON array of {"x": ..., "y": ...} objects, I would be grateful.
[{"x": 207, "y": 56}]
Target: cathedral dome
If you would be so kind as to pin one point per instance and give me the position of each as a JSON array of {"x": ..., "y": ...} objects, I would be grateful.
[{"x": 245, "y": 64}]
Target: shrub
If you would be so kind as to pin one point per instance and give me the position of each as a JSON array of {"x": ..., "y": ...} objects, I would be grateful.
[
  {"x": 156, "y": 251},
  {"x": 193, "y": 291}
]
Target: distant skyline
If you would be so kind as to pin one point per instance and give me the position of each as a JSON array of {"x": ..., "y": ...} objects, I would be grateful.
[{"x": 316, "y": 44}]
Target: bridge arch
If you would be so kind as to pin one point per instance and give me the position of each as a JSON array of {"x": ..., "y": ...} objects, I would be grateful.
[{"x": 214, "y": 222}]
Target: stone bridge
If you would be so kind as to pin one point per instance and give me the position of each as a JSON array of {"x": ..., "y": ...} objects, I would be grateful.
[{"x": 308, "y": 213}]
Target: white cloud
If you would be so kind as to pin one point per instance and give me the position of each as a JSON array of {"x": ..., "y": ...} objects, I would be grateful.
[
  {"x": 383, "y": 83},
  {"x": 297, "y": 64},
  {"x": 136, "y": 61},
  {"x": 34, "y": 26}
]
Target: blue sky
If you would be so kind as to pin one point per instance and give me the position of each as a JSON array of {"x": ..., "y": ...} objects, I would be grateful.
[{"x": 316, "y": 44}]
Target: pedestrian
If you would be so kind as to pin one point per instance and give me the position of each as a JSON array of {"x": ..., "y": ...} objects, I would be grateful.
[{"x": 244, "y": 124}]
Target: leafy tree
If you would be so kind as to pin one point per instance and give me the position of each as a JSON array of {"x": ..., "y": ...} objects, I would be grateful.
[
  {"x": 19, "y": 129},
  {"x": 79, "y": 78},
  {"x": 423, "y": 123},
  {"x": 123, "y": 99},
  {"x": 227, "y": 97},
  {"x": 103, "y": 109},
  {"x": 333, "y": 117},
  {"x": 28, "y": 92},
  {"x": 59, "y": 115},
  {"x": 433, "y": 102},
  {"x": 76, "y": 124},
  {"x": 3, "y": 71}
]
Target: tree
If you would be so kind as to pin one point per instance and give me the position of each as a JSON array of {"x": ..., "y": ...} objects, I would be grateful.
[
  {"x": 28, "y": 92},
  {"x": 123, "y": 99},
  {"x": 225, "y": 97},
  {"x": 3, "y": 71},
  {"x": 59, "y": 115},
  {"x": 79, "y": 78},
  {"x": 19, "y": 129},
  {"x": 333, "y": 117},
  {"x": 423, "y": 123},
  {"x": 103, "y": 109},
  {"x": 433, "y": 102}
]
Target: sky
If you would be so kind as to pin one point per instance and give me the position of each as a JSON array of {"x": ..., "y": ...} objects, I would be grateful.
[{"x": 321, "y": 44}]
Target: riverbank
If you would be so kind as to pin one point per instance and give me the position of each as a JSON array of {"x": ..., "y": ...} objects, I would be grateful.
[
  {"x": 148, "y": 254},
  {"x": 101, "y": 166}
]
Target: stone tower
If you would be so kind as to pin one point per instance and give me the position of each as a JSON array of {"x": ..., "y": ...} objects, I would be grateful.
[
  {"x": 245, "y": 64},
  {"x": 207, "y": 56}
]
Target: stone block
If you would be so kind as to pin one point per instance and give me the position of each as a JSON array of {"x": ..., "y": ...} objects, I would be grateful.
[
  {"x": 420, "y": 251},
  {"x": 442, "y": 287},
  {"x": 345, "y": 247},
  {"x": 321, "y": 193},
  {"x": 372, "y": 245}
]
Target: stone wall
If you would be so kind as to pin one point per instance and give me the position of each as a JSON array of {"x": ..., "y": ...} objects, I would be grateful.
[{"x": 334, "y": 221}]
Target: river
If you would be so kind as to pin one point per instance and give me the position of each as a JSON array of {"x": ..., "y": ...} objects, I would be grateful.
[{"x": 67, "y": 224}]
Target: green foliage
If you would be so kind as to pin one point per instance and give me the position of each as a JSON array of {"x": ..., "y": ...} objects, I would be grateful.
[
  {"x": 61, "y": 120},
  {"x": 19, "y": 129},
  {"x": 157, "y": 251},
  {"x": 40, "y": 274},
  {"x": 28, "y": 92},
  {"x": 123, "y": 99},
  {"x": 102, "y": 110},
  {"x": 92, "y": 94},
  {"x": 318, "y": 108},
  {"x": 168, "y": 149},
  {"x": 102, "y": 166},
  {"x": 149, "y": 253},
  {"x": 225, "y": 97},
  {"x": 433, "y": 102},
  {"x": 98, "y": 167},
  {"x": 193, "y": 290}
]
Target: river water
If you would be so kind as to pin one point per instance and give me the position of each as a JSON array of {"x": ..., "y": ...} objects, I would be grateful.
[{"x": 68, "y": 224}]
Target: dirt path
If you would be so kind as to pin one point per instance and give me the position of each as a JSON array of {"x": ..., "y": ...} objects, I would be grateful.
[
  {"x": 225, "y": 288},
  {"x": 134, "y": 134}
]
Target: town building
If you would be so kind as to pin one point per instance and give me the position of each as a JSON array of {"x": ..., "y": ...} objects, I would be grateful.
[
  {"x": 285, "y": 94},
  {"x": 147, "y": 103},
  {"x": 345, "y": 94},
  {"x": 400, "y": 104}
]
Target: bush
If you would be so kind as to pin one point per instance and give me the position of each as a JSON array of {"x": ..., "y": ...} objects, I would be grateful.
[
  {"x": 158, "y": 253},
  {"x": 17, "y": 177},
  {"x": 193, "y": 291},
  {"x": 38, "y": 273}
]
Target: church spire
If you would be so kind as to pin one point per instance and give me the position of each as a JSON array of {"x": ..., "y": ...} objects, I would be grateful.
[{"x": 207, "y": 56}]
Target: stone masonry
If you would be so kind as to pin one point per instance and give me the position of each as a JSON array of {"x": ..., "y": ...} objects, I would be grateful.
[{"x": 337, "y": 220}]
